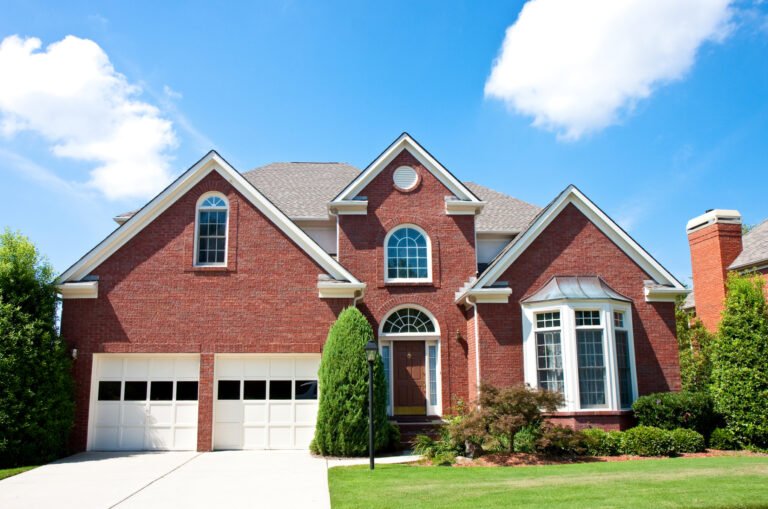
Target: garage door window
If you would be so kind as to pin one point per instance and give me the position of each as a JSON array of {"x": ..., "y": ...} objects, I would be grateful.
[
  {"x": 161, "y": 391},
  {"x": 255, "y": 389},
  {"x": 229, "y": 389},
  {"x": 306, "y": 389},
  {"x": 280, "y": 389},
  {"x": 186, "y": 391},
  {"x": 135, "y": 391},
  {"x": 109, "y": 391}
]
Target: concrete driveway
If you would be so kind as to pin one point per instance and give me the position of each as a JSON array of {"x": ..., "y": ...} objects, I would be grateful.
[{"x": 230, "y": 479}]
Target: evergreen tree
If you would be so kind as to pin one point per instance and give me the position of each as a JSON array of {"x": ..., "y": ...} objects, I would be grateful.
[
  {"x": 36, "y": 403},
  {"x": 694, "y": 344},
  {"x": 342, "y": 421},
  {"x": 740, "y": 361}
]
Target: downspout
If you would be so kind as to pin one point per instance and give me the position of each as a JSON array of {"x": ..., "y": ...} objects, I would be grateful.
[
  {"x": 357, "y": 297},
  {"x": 473, "y": 301}
]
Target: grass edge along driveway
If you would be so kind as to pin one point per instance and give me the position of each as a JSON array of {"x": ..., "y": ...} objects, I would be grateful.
[
  {"x": 722, "y": 481},
  {"x": 8, "y": 472}
]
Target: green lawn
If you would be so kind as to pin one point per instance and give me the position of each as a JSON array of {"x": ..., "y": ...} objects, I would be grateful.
[
  {"x": 8, "y": 472},
  {"x": 723, "y": 481}
]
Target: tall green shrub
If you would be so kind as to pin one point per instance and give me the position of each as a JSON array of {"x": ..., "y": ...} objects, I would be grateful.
[
  {"x": 740, "y": 361},
  {"x": 342, "y": 420},
  {"x": 694, "y": 343},
  {"x": 36, "y": 389},
  {"x": 671, "y": 410}
]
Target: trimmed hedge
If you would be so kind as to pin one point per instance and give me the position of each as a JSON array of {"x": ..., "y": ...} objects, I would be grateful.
[
  {"x": 672, "y": 410},
  {"x": 342, "y": 419},
  {"x": 647, "y": 441},
  {"x": 599, "y": 442},
  {"x": 687, "y": 440},
  {"x": 723, "y": 440}
]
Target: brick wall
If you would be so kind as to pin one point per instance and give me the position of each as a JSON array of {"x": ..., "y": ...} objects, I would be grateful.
[
  {"x": 151, "y": 299},
  {"x": 572, "y": 245},
  {"x": 361, "y": 251},
  {"x": 713, "y": 249}
]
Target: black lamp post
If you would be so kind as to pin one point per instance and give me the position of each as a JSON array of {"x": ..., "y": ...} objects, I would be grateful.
[{"x": 370, "y": 354}]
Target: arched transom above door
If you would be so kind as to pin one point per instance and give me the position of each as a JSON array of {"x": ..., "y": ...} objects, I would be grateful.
[{"x": 409, "y": 320}]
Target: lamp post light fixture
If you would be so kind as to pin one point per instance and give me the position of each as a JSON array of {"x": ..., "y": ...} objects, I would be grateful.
[{"x": 371, "y": 350}]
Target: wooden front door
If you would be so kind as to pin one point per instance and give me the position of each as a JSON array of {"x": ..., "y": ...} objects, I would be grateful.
[{"x": 410, "y": 381}]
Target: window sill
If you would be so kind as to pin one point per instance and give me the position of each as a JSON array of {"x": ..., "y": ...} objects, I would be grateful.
[
  {"x": 581, "y": 413},
  {"x": 409, "y": 283},
  {"x": 209, "y": 268}
]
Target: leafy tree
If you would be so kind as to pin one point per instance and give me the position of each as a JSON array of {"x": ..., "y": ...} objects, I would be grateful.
[
  {"x": 740, "y": 361},
  {"x": 342, "y": 420},
  {"x": 36, "y": 389},
  {"x": 694, "y": 343}
]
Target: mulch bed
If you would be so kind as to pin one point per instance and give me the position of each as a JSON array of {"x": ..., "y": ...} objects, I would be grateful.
[{"x": 520, "y": 459}]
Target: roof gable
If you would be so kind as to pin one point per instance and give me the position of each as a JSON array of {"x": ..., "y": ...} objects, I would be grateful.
[
  {"x": 572, "y": 195},
  {"x": 212, "y": 161},
  {"x": 406, "y": 142}
]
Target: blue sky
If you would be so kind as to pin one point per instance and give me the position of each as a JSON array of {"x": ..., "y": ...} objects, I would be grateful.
[{"x": 654, "y": 135}]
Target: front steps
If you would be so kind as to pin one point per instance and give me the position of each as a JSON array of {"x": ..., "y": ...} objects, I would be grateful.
[{"x": 411, "y": 426}]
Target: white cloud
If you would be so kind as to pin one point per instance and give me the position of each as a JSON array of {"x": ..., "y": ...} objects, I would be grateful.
[
  {"x": 576, "y": 67},
  {"x": 71, "y": 95}
]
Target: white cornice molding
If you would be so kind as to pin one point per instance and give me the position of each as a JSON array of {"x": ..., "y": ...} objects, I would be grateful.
[
  {"x": 463, "y": 208},
  {"x": 160, "y": 203},
  {"x": 340, "y": 290},
  {"x": 348, "y": 207},
  {"x": 498, "y": 295},
  {"x": 79, "y": 290},
  {"x": 664, "y": 294}
]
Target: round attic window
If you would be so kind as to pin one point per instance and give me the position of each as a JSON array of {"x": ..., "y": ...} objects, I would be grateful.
[{"x": 405, "y": 178}]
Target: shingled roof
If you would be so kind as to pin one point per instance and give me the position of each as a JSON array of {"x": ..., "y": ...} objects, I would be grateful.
[
  {"x": 303, "y": 190},
  {"x": 755, "y": 248}
]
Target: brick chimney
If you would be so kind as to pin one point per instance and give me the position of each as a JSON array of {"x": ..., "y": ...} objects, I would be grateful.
[{"x": 715, "y": 241}]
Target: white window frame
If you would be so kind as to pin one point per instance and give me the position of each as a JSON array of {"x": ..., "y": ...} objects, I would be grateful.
[
  {"x": 419, "y": 229},
  {"x": 567, "y": 311},
  {"x": 429, "y": 339},
  {"x": 195, "y": 254}
]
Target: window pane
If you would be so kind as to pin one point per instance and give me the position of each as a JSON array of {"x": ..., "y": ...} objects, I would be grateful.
[
  {"x": 549, "y": 358},
  {"x": 212, "y": 236},
  {"x": 255, "y": 389},
  {"x": 584, "y": 318},
  {"x": 161, "y": 391},
  {"x": 589, "y": 346},
  {"x": 135, "y": 391},
  {"x": 545, "y": 320},
  {"x": 229, "y": 389},
  {"x": 624, "y": 368},
  {"x": 280, "y": 389},
  {"x": 432, "y": 374},
  {"x": 618, "y": 319},
  {"x": 306, "y": 389},
  {"x": 109, "y": 391},
  {"x": 186, "y": 391},
  {"x": 407, "y": 250},
  {"x": 408, "y": 320},
  {"x": 385, "y": 360}
]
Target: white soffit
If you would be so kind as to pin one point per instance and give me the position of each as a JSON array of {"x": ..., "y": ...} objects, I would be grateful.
[
  {"x": 405, "y": 142},
  {"x": 572, "y": 195},
  {"x": 160, "y": 203}
]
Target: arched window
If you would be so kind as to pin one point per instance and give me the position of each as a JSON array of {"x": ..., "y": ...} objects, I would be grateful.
[
  {"x": 211, "y": 231},
  {"x": 408, "y": 255},
  {"x": 408, "y": 321}
]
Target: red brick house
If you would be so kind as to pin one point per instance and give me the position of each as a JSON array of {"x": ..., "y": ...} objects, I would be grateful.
[
  {"x": 199, "y": 322},
  {"x": 719, "y": 245}
]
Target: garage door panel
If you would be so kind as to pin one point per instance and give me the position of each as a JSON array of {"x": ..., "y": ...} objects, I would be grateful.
[
  {"x": 134, "y": 402},
  {"x": 275, "y": 414}
]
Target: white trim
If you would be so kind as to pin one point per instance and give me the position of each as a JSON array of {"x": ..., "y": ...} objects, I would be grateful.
[
  {"x": 573, "y": 196},
  {"x": 405, "y": 142},
  {"x": 567, "y": 310},
  {"x": 494, "y": 295},
  {"x": 195, "y": 257},
  {"x": 419, "y": 229},
  {"x": 340, "y": 290},
  {"x": 712, "y": 217},
  {"x": 463, "y": 208},
  {"x": 80, "y": 290},
  {"x": 389, "y": 342},
  {"x": 348, "y": 207},
  {"x": 210, "y": 162},
  {"x": 663, "y": 294}
]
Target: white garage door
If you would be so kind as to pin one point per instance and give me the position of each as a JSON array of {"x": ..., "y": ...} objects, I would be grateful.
[
  {"x": 265, "y": 402},
  {"x": 144, "y": 402}
]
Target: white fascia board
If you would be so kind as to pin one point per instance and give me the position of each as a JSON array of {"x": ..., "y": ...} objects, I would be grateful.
[
  {"x": 667, "y": 294},
  {"x": 613, "y": 231},
  {"x": 348, "y": 207},
  {"x": 713, "y": 216},
  {"x": 79, "y": 290},
  {"x": 484, "y": 296},
  {"x": 463, "y": 208},
  {"x": 404, "y": 141},
  {"x": 210, "y": 162},
  {"x": 339, "y": 290}
]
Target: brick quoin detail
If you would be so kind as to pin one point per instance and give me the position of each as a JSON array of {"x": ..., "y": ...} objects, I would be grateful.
[
  {"x": 713, "y": 249},
  {"x": 573, "y": 245}
]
